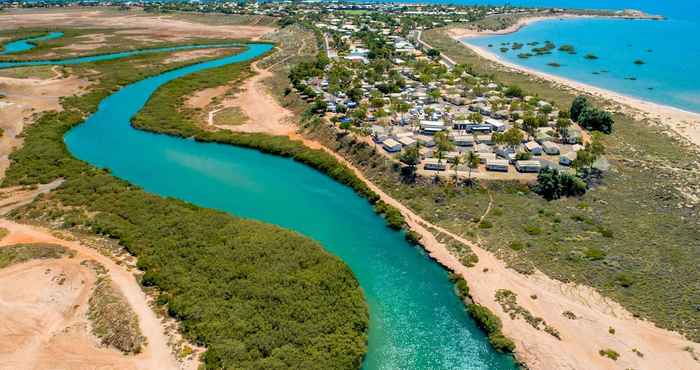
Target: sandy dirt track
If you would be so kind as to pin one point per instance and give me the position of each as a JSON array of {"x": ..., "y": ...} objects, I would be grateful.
[
  {"x": 265, "y": 115},
  {"x": 42, "y": 312}
]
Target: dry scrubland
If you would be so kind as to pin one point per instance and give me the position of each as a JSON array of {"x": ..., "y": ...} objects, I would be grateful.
[{"x": 294, "y": 271}]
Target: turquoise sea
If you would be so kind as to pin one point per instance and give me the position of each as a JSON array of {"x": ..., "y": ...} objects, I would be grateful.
[{"x": 669, "y": 49}]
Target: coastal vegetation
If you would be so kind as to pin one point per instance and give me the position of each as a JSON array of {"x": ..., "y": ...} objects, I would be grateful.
[
  {"x": 216, "y": 273},
  {"x": 631, "y": 270},
  {"x": 485, "y": 319},
  {"x": 491, "y": 325},
  {"x": 113, "y": 321}
]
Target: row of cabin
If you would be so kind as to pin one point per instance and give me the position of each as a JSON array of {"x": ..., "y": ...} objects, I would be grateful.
[{"x": 547, "y": 147}]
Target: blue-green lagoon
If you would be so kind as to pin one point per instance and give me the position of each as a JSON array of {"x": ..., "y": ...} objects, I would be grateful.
[{"x": 28, "y": 43}]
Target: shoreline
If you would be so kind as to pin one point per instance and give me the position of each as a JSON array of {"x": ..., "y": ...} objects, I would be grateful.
[{"x": 684, "y": 124}]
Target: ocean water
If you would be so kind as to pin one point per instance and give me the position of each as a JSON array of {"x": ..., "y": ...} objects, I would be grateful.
[
  {"x": 416, "y": 319},
  {"x": 670, "y": 75}
]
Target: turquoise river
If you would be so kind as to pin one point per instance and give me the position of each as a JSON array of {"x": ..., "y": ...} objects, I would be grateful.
[{"x": 416, "y": 319}]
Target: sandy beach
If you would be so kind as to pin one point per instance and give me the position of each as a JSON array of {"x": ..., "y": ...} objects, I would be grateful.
[{"x": 683, "y": 124}]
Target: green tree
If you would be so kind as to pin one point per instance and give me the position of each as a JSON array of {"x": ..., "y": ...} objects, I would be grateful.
[
  {"x": 355, "y": 94},
  {"x": 442, "y": 141},
  {"x": 563, "y": 125},
  {"x": 455, "y": 162},
  {"x": 512, "y": 137},
  {"x": 434, "y": 94},
  {"x": 514, "y": 91},
  {"x": 577, "y": 106},
  {"x": 440, "y": 156},
  {"x": 433, "y": 54},
  {"x": 411, "y": 157},
  {"x": 530, "y": 124},
  {"x": 472, "y": 160},
  {"x": 552, "y": 184},
  {"x": 475, "y": 117},
  {"x": 595, "y": 119}
]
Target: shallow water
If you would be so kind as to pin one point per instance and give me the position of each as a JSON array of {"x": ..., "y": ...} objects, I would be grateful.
[
  {"x": 670, "y": 74},
  {"x": 416, "y": 320},
  {"x": 28, "y": 44}
]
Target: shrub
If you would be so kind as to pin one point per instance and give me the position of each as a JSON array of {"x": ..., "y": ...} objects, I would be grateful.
[
  {"x": 624, "y": 280},
  {"x": 609, "y": 353},
  {"x": 413, "y": 237},
  {"x": 605, "y": 232},
  {"x": 577, "y": 106},
  {"x": 594, "y": 254},
  {"x": 595, "y": 119},
  {"x": 393, "y": 216},
  {"x": 469, "y": 260},
  {"x": 569, "y": 315},
  {"x": 461, "y": 286},
  {"x": 532, "y": 229},
  {"x": 485, "y": 224},
  {"x": 516, "y": 245},
  {"x": 485, "y": 319},
  {"x": 514, "y": 91},
  {"x": 552, "y": 184},
  {"x": 501, "y": 343}
]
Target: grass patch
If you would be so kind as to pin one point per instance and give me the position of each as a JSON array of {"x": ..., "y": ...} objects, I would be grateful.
[
  {"x": 230, "y": 116},
  {"x": 113, "y": 320},
  {"x": 18, "y": 253},
  {"x": 40, "y": 72}
]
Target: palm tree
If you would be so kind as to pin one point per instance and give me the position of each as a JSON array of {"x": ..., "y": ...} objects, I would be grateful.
[
  {"x": 455, "y": 162},
  {"x": 440, "y": 157},
  {"x": 472, "y": 160}
]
